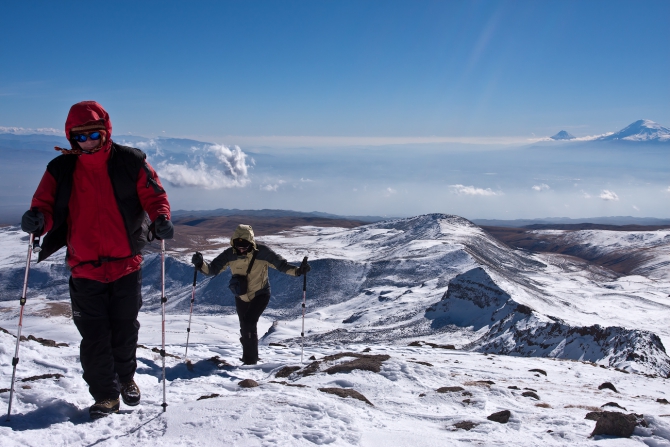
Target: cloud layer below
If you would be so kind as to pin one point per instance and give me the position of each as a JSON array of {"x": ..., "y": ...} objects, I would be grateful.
[
  {"x": 473, "y": 191},
  {"x": 211, "y": 167}
]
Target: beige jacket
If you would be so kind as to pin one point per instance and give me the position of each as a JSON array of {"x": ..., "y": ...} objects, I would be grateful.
[{"x": 257, "y": 280}]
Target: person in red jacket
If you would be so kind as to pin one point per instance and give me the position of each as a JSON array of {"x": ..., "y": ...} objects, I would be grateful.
[{"x": 94, "y": 199}]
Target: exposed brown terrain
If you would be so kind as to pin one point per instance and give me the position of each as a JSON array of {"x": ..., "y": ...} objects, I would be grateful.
[
  {"x": 196, "y": 233},
  {"x": 623, "y": 262}
]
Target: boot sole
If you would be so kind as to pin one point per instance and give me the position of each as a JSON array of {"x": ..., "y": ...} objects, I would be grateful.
[
  {"x": 130, "y": 403},
  {"x": 101, "y": 414}
]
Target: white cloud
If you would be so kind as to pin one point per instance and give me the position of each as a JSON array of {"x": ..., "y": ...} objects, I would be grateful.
[
  {"x": 145, "y": 146},
  {"x": 472, "y": 191},
  {"x": 306, "y": 180},
  {"x": 272, "y": 188},
  {"x": 228, "y": 171},
  {"x": 28, "y": 131},
  {"x": 586, "y": 195},
  {"x": 391, "y": 190},
  {"x": 541, "y": 187},
  {"x": 636, "y": 208},
  {"x": 610, "y": 196},
  {"x": 668, "y": 190}
]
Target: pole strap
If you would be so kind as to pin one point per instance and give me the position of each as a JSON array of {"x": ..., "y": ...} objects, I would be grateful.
[
  {"x": 164, "y": 299},
  {"x": 162, "y": 352},
  {"x": 15, "y": 361}
]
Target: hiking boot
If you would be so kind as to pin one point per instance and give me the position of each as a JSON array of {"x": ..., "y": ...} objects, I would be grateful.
[
  {"x": 104, "y": 408},
  {"x": 130, "y": 393}
]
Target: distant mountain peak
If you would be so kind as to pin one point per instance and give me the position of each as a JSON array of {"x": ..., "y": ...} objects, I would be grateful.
[
  {"x": 563, "y": 135},
  {"x": 641, "y": 130}
]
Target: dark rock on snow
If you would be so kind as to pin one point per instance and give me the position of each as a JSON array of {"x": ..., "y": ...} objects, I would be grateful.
[
  {"x": 345, "y": 392},
  {"x": 286, "y": 371},
  {"x": 465, "y": 425},
  {"x": 220, "y": 363},
  {"x": 593, "y": 415},
  {"x": 607, "y": 386},
  {"x": 613, "y": 423},
  {"x": 612, "y": 404},
  {"x": 248, "y": 383},
  {"x": 541, "y": 371},
  {"x": 43, "y": 376},
  {"x": 282, "y": 382},
  {"x": 501, "y": 416},
  {"x": 421, "y": 363},
  {"x": 530, "y": 394},
  {"x": 208, "y": 396},
  {"x": 663, "y": 401},
  {"x": 365, "y": 362},
  {"x": 450, "y": 389}
]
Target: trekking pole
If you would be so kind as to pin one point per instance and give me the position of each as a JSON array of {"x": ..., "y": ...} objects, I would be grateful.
[
  {"x": 163, "y": 301},
  {"x": 188, "y": 330},
  {"x": 33, "y": 245},
  {"x": 304, "y": 293}
]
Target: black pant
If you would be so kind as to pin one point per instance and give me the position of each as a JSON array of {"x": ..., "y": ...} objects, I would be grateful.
[
  {"x": 249, "y": 313},
  {"x": 106, "y": 316}
]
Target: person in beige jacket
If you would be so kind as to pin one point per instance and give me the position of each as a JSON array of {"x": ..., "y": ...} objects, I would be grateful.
[{"x": 248, "y": 262}]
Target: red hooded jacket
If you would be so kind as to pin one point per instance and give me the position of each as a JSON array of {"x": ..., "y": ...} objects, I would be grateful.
[{"x": 95, "y": 224}]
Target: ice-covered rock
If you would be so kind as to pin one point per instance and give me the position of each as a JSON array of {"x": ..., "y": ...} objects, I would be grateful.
[{"x": 474, "y": 300}]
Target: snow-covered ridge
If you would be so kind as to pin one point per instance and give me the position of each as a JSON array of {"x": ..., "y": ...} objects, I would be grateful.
[
  {"x": 374, "y": 283},
  {"x": 648, "y": 252},
  {"x": 475, "y": 300},
  {"x": 641, "y": 130}
]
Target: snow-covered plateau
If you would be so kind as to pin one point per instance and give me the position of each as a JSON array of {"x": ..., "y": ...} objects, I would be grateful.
[{"x": 417, "y": 330}]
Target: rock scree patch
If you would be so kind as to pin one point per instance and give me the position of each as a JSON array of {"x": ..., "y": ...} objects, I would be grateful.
[
  {"x": 346, "y": 392},
  {"x": 364, "y": 362}
]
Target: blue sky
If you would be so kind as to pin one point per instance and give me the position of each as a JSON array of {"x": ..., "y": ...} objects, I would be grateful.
[
  {"x": 357, "y": 107},
  {"x": 339, "y": 68}
]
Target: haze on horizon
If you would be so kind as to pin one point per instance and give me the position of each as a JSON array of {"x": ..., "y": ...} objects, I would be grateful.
[{"x": 375, "y": 108}]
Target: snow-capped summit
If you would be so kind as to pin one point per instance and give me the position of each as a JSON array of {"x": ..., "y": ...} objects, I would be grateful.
[
  {"x": 641, "y": 130},
  {"x": 563, "y": 135}
]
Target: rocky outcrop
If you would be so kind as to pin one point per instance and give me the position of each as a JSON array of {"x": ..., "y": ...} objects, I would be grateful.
[{"x": 474, "y": 300}]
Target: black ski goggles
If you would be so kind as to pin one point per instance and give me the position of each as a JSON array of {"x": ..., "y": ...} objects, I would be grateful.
[
  {"x": 82, "y": 137},
  {"x": 241, "y": 244}
]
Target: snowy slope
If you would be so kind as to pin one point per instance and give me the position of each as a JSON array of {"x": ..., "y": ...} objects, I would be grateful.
[
  {"x": 648, "y": 252},
  {"x": 433, "y": 280},
  {"x": 405, "y": 407},
  {"x": 375, "y": 283}
]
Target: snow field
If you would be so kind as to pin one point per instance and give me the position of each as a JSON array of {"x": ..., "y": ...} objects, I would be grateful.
[{"x": 54, "y": 411}]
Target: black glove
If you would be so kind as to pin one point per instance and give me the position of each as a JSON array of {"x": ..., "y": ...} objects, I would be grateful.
[
  {"x": 163, "y": 228},
  {"x": 32, "y": 222},
  {"x": 197, "y": 260},
  {"x": 304, "y": 268}
]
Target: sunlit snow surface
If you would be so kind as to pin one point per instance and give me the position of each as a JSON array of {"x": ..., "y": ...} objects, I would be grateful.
[{"x": 407, "y": 268}]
